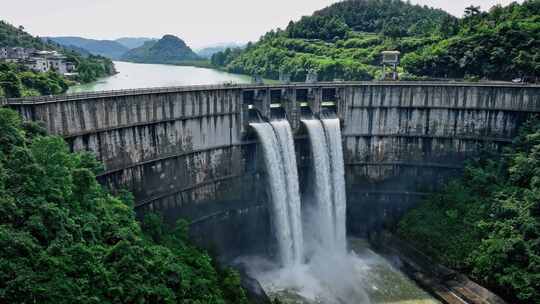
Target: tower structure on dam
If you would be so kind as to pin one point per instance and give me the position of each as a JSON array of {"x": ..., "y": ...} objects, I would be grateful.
[{"x": 188, "y": 151}]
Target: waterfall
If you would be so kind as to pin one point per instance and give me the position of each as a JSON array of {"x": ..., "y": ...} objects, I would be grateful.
[
  {"x": 280, "y": 161},
  {"x": 329, "y": 274},
  {"x": 328, "y": 213},
  {"x": 329, "y": 208},
  {"x": 321, "y": 215},
  {"x": 333, "y": 138},
  {"x": 285, "y": 138}
]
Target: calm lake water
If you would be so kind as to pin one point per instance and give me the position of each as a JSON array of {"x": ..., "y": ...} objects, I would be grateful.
[{"x": 136, "y": 75}]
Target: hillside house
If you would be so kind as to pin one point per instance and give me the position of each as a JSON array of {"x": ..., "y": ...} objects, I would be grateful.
[
  {"x": 37, "y": 64},
  {"x": 38, "y": 61}
]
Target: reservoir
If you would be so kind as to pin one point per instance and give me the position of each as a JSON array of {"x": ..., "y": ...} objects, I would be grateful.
[{"x": 138, "y": 75}]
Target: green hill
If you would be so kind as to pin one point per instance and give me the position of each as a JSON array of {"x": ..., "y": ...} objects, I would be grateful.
[
  {"x": 169, "y": 50},
  {"x": 374, "y": 16},
  {"x": 345, "y": 40},
  {"x": 11, "y": 36}
]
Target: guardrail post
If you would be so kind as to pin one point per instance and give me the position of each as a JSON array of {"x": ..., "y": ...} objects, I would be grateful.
[
  {"x": 342, "y": 98},
  {"x": 314, "y": 100},
  {"x": 262, "y": 102}
]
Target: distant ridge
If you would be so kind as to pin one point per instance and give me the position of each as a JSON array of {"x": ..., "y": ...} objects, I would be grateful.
[
  {"x": 208, "y": 51},
  {"x": 107, "y": 48},
  {"x": 134, "y": 42}
]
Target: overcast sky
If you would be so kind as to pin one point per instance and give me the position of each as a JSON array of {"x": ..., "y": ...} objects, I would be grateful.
[{"x": 198, "y": 22}]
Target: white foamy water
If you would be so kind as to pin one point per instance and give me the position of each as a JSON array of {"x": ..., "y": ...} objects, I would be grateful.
[
  {"x": 320, "y": 217},
  {"x": 358, "y": 277},
  {"x": 337, "y": 172},
  {"x": 280, "y": 162},
  {"x": 283, "y": 131}
]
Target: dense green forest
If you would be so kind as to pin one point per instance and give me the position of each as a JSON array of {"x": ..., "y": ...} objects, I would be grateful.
[
  {"x": 11, "y": 36},
  {"x": 17, "y": 81},
  {"x": 487, "y": 223},
  {"x": 344, "y": 41},
  {"x": 66, "y": 240}
]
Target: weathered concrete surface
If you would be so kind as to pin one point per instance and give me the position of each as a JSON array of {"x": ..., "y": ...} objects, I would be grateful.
[
  {"x": 187, "y": 152},
  {"x": 402, "y": 141}
]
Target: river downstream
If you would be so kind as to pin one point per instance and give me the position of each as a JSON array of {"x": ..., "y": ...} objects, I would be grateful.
[{"x": 137, "y": 75}]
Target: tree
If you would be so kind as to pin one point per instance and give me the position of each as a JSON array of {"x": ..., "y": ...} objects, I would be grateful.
[
  {"x": 316, "y": 27},
  {"x": 11, "y": 84},
  {"x": 449, "y": 27},
  {"x": 394, "y": 28}
]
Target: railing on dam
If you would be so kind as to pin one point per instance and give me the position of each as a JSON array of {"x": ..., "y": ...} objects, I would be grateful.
[{"x": 172, "y": 89}]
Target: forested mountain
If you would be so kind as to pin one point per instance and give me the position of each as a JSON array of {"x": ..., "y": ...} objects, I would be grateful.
[
  {"x": 345, "y": 40},
  {"x": 16, "y": 80},
  {"x": 376, "y": 16},
  {"x": 107, "y": 48},
  {"x": 11, "y": 36},
  {"x": 503, "y": 43},
  {"x": 169, "y": 49}
]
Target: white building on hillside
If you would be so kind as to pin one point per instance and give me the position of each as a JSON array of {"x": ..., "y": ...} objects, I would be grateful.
[
  {"x": 37, "y": 64},
  {"x": 58, "y": 64},
  {"x": 18, "y": 53},
  {"x": 38, "y": 61}
]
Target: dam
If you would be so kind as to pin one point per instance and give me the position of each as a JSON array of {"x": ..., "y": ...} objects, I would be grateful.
[{"x": 190, "y": 152}]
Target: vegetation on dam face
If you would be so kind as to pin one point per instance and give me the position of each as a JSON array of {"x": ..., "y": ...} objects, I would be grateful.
[
  {"x": 344, "y": 41},
  {"x": 64, "y": 239},
  {"x": 487, "y": 223}
]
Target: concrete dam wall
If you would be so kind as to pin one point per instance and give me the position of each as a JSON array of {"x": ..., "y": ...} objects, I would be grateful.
[{"x": 188, "y": 152}]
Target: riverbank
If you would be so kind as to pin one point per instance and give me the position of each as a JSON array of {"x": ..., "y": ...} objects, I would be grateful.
[{"x": 446, "y": 285}]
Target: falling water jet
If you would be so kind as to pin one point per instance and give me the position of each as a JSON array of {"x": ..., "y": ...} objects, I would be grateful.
[
  {"x": 331, "y": 275},
  {"x": 322, "y": 213},
  {"x": 335, "y": 150},
  {"x": 285, "y": 139},
  {"x": 280, "y": 161}
]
